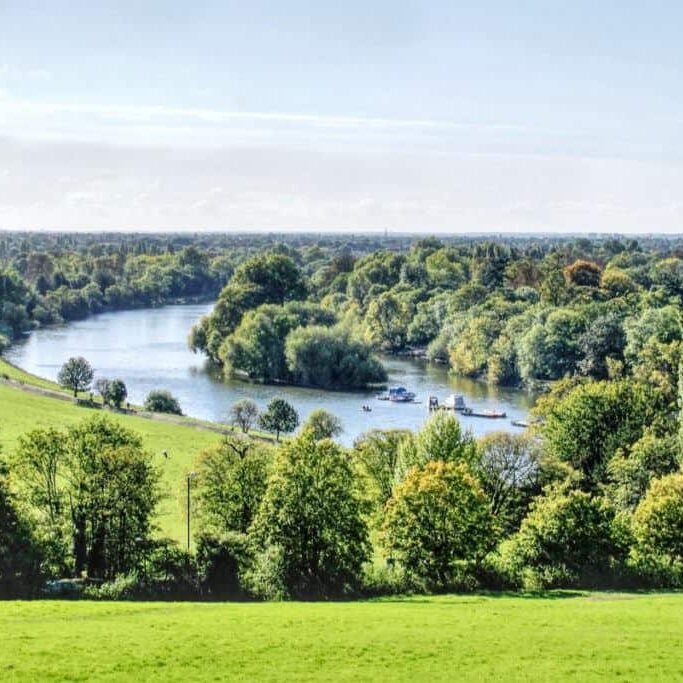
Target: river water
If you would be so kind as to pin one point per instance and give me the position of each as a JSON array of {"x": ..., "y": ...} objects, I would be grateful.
[{"x": 148, "y": 350}]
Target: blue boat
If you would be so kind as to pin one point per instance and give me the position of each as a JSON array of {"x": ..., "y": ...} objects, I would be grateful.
[{"x": 398, "y": 395}]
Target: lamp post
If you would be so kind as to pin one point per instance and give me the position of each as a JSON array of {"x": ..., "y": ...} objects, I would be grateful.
[{"x": 190, "y": 477}]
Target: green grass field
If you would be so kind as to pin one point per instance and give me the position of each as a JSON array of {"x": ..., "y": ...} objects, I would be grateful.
[
  {"x": 557, "y": 637},
  {"x": 21, "y": 412}
]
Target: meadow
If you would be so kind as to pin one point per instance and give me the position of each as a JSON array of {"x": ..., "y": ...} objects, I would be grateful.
[
  {"x": 555, "y": 636},
  {"x": 21, "y": 411}
]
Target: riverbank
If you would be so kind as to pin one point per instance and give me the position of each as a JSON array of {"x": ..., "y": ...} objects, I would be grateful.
[
  {"x": 28, "y": 402},
  {"x": 148, "y": 350}
]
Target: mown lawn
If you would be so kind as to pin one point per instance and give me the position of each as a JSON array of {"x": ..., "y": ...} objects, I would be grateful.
[
  {"x": 21, "y": 412},
  {"x": 556, "y": 637}
]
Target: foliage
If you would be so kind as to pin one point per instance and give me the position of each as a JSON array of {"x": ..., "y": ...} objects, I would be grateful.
[
  {"x": 162, "y": 401},
  {"x": 76, "y": 374},
  {"x": 376, "y": 453},
  {"x": 328, "y": 357},
  {"x": 231, "y": 481},
  {"x": 509, "y": 469},
  {"x": 658, "y": 519},
  {"x": 323, "y": 425},
  {"x": 632, "y": 469},
  {"x": 438, "y": 517},
  {"x": 312, "y": 518},
  {"x": 279, "y": 416},
  {"x": 244, "y": 414},
  {"x": 587, "y": 427},
  {"x": 93, "y": 490},
  {"x": 441, "y": 438},
  {"x": 21, "y": 555},
  {"x": 569, "y": 538}
]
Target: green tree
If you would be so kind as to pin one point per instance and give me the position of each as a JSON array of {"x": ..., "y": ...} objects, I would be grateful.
[
  {"x": 76, "y": 374},
  {"x": 95, "y": 490},
  {"x": 441, "y": 438},
  {"x": 244, "y": 414},
  {"x": 323, "y": 425},
  {"x": 586, "y": 427},
  {"x": 231, "y": 482},
  {"x": 632, "y": 469},
  {"x": 658, "y": 519},
  {"x": 279, "y": 416},
  {"x": 437, "y": 518},
  {"x": 569, "y": 538},
  {"x": 377, "y": 452},
  {"x": 162, "y": 401},
  {"x": 509, "y": 469},
  {"x": 117, "y": 392},
  {"x": 312, "y": 518},
  {"x": 20, "y": 553},
  {"x": 328, "y": 357}
]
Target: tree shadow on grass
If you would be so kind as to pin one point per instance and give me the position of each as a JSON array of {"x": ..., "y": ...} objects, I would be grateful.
[{"x": 482, "y": 596}]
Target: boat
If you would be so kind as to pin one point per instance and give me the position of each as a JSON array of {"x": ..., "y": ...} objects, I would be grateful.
[
  {"x": 455, "y": 402},
  {"x": 491, "y": 414},
  {"x": 519, "y": 423},
  {"x": 398, "y": 395}
]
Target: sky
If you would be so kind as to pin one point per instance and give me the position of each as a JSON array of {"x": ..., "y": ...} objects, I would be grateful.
[{"x": 446, "y": 116}]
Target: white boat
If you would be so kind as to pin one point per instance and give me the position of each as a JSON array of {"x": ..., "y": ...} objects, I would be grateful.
[{"x": 455, "y": 402}]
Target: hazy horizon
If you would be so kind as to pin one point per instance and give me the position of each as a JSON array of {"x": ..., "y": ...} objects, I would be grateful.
[{"x": 297, "y": 117}]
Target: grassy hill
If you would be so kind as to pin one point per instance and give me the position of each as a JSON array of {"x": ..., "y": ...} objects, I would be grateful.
[
  {"x": 22, "y": 411},
  {"x": 556, "y": 637}
]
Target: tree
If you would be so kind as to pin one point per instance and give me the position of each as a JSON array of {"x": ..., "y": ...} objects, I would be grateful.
[
  {"x": 231, "y": 482},
  {"x": 658, "y": 519},
  {"x": 568, "y": 538},
  {"x": 508, "y": 468},
  {"x": 244, "y": 414},
  {"x": 323, "y": 425},
  {"x": 437, "y": 519},
  {"x": 632, "y": 469},
  {"x": 117, "y": 392},
  {"x": 583, "y": 273},
  {"x": 20, "y": 553},
  {"x": 101, "y": 386},
  {"x": 94, "y": 490},
  {"x": 312, "y": 519},
  {"x": 586, "y": 427},
  {"x": 112, "y": 391},
  {"x": 377, "y": 454},
  {"x": 278, "y": 417},
  {"x": 162, "y": 401},
  {"x": 441, "y": 438},
  {"x": 76, "y": 374},
  {"x": 329, "y": 357}
]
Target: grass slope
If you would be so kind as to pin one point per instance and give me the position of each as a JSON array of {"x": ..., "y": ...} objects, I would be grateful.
[
  {"x": 21, "y": 412},
  {"x": 589, "y": 637}
]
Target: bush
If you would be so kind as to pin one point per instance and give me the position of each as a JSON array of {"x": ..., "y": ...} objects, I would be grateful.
[
  {"x": 568, "y": 539},
  {"x": 220, "y": 561},
  {"x": 658, "y": 519},
  {"x": 162, "y": 401}
]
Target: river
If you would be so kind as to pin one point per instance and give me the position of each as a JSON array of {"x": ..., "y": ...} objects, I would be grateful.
[{"x": 147, "y": 349}]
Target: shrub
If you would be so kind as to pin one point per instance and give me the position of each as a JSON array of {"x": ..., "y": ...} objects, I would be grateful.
[
  {"x": 568, "y": 539},
  {"x": 658, "y": 519},
  {"x": 220, "y": 561},
  {"x": 162, "y": 401}
]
